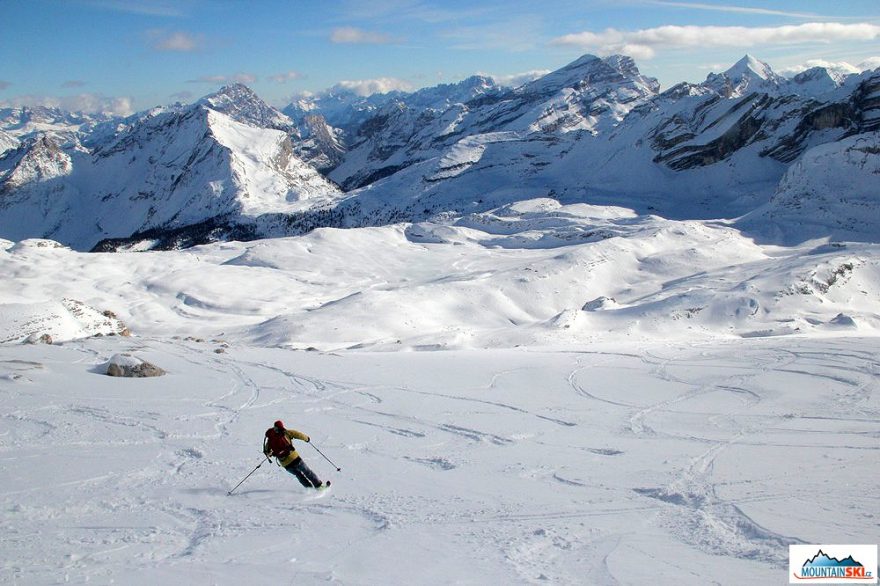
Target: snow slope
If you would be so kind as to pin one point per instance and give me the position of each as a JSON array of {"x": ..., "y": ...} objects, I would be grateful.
[
  {"x": 833, "y": 190},
  {"x": 687, "y": 463},
  {"x": 623, "y": 399}
]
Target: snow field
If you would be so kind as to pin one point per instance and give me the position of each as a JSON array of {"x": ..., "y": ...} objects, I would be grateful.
[
  {"x": 534, "y": 273},
  {"x": 625, "y": 463}
]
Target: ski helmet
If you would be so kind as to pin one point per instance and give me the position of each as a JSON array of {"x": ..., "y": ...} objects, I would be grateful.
[{"x": 278, "y": 425}]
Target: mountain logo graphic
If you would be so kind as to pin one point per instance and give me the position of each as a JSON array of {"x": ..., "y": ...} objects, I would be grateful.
[
  {"x": 823, "y": 559},
  {"x": 834, "y": 564}
]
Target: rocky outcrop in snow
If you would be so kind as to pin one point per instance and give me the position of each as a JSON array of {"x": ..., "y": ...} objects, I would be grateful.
[{"x": 129, "y": 366}]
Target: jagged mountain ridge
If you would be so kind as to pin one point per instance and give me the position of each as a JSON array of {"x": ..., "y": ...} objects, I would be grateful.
[
  {"x": 167, "y": 171},
  {"x": 596, "y": 130},
  {"x": 693, "y": 151},
  {"x": 589, "y": 94}
]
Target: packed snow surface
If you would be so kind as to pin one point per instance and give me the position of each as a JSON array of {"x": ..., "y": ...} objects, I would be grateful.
[{"x": 658, "y": 463}]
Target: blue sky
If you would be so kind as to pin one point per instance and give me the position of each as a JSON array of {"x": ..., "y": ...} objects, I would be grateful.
[{"x": 127, "y": 55}]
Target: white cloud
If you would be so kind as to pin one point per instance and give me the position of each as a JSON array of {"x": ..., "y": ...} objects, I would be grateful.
[
  {"x": 870, "y": 64},
  {"x": 635, "y": 50},
  {"x": 286, "y": 77},
  {"x": 838, "y": 67},
  {"x": 368, "y": 87},
  {"x": 352, "y": 35},
  {"x": 644, "y": 42},
  {"x": 90, "y": 103},
  {"x": 518, "y": 79},
  {"x": 245, "y": 78},
  {"x": 175, "y": 41}
]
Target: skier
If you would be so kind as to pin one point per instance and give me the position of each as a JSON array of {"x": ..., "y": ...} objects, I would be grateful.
[{"x": 277, "y": 442}]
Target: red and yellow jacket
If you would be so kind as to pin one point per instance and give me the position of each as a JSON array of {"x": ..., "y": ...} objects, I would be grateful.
[{"x": 280, "y": 446}]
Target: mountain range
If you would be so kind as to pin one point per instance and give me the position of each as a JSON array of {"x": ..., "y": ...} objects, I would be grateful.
[{"x": 783, "y": 159}]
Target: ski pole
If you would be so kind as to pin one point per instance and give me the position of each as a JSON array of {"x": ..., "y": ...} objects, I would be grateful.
[
  {"x": 248, "y": 476},
  {"x": 338, "y": 469}
]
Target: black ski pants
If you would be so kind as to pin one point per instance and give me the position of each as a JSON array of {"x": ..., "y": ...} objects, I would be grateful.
[{"x": 303, "y": 473}]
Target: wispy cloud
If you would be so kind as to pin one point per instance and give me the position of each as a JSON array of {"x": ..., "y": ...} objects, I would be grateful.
[
  {"x": 368, "y": 87},
  {"x": 410, "y": 10},
  {"x": 246, "y": 78},
  {"x": 171, "y": 8},
  {"x": 73, "y": 83},
  {"x": 643, "y": 43},
  {"x": 175, "y": 41},
  {"x": 514, "y": 34},
  {"x": 286, "y": 76},
  {"x": 731, "y": 9},
  {"x": 357, "y": 36},
  {"x": 4, "y": 84}
]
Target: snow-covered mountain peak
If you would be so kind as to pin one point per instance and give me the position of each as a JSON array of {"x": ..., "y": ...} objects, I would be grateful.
[
  {"x": 749, "y": 65},
  {"x": 240, "y": 103},
  {"x": 745, "y": 76}
]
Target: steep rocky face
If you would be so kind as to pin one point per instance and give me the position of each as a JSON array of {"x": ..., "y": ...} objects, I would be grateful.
[
  {"x": 866, "y": 101},
  {"x": 781, "y": 124},
  {"x": 36, "y": 160},
  {"x": 320, "y": 145},
  {"x": 7, "y": 142},
  {"x": 738, "y": 124}
]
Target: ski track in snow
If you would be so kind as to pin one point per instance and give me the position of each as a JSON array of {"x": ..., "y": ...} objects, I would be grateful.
[{"x": 631, "y": 465}]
